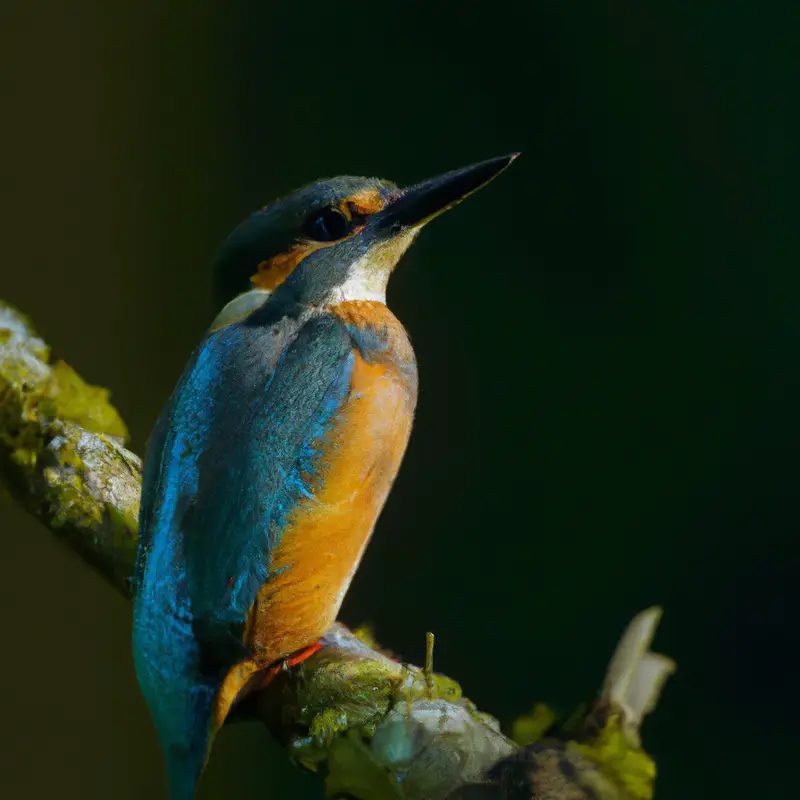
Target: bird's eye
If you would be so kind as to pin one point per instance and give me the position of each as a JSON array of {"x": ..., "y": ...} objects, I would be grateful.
[{"x": 328, "y": 226}]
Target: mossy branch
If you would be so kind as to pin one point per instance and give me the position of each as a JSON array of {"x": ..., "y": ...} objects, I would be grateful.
[
  {"x": 376, "y": 728},
  {"x": 61, "y": 452}
]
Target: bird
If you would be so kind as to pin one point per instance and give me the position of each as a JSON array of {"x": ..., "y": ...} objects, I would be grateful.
[{"x": 274, "y": 456}]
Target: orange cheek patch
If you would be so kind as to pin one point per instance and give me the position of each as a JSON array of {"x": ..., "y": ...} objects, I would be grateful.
[{"x": 274, "y": 271}]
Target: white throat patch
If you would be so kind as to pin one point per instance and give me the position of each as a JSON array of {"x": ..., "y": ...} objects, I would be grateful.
[
  {"x": 368, "y": 277},
  {"x": 361, "y": 283}
]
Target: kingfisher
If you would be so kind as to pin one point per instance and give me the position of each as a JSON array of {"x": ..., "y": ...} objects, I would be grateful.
[{"x": 274, "y": 456}]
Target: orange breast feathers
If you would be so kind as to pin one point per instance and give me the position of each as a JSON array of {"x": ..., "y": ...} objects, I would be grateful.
[
  {"x": 325, "y": 538},
  {"x": 326, "y": 534}
]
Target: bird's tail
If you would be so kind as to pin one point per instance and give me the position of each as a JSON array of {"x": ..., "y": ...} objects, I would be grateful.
[
  {"x": 186, "y": 756},
  {"x": 210, "y": 704}
]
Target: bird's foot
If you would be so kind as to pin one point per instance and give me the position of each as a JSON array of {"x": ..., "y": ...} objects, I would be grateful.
[{"x": 292, "y": 660}]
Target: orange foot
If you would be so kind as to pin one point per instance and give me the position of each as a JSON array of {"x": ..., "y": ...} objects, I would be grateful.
[{"x": 290, "y": 661}]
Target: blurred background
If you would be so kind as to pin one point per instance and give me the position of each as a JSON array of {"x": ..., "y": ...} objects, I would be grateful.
[{"x": 608, "y": 343}]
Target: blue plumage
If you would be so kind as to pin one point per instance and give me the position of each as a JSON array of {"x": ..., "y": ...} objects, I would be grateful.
[{"x": 230, "y": 457}]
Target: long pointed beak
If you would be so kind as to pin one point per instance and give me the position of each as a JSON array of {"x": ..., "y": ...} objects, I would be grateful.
[{"x": 419, "y": 204}]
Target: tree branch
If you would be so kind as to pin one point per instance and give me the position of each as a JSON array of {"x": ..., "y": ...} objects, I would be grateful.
[
  {"x": 376, "y": 728},
  {"x": 61, "y": 453}
]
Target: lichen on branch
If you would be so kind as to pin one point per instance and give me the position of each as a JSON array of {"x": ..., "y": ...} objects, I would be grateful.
[
  {"x": 61, "y": 452},
  {"x": 378, "y": 729}
]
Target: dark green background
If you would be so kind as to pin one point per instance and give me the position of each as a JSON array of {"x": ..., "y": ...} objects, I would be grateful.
[{"x": 608, "y": 343}]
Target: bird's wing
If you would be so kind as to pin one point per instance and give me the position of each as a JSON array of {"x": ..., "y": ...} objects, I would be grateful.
[
  {"x": 234, "y": 452},
  {"x": 150, "y": 478}
]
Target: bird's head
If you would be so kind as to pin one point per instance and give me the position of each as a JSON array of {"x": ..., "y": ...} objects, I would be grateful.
[{"x": 338, "y": 239}]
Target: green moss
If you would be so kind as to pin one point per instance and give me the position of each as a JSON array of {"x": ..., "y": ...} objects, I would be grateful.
[
  {"x": 343, "y": 700},
  {"x": 621, "y": 760},
  {"x": 68, "y": 397},
  {"x": 352, "y": 769},
  {"x": 32, "y": 394},
  {"x": 69, "y": 502},
  {"x": 339, "y": 695},
  {"x": 529, "y": 728},
  {"x": 127, "y": 522},
  {"x": 20, "y": 435},
  {"x": 45, "y": 413}
]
